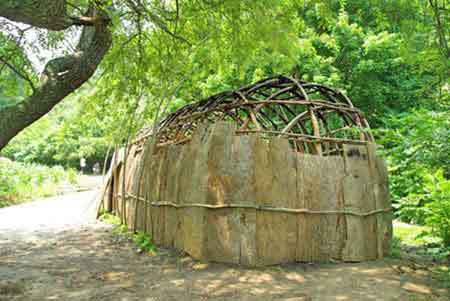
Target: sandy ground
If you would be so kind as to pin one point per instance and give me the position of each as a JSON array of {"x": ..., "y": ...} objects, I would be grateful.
[{"x": 53, "y": 249}]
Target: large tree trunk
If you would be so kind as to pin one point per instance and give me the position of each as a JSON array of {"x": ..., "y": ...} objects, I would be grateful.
[{"x": 62, "y": 75}]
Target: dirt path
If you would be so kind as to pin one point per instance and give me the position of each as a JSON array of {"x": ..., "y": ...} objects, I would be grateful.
[{"x": 52, "y": 249}]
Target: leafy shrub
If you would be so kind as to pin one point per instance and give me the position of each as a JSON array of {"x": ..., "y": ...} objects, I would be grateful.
[
  {"x": 142, "y": 240},
  {"x": 416, "y": 146},
  {"x": 395, "y": 248},
  {"x": 62, "y": 137},
  {"x": 437, "y": 209},
  {"x": 21, "y": 182}
]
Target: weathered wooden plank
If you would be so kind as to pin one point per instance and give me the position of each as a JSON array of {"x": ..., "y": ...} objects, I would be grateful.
[
  {"x": 170, "y": 227},
  {"x": 276, "y": 237},
  {"x": 152, "y": 186},
  {"x": 330, "y": 198},
  {"x": 284, "y": 172},
  {"x": 262, "y": 172},
  {"x": 382, "y": 201},
  {"x": 243, "y": 170},
  {"x": 158, "y": 224},
  {"x": 194, "y": 231},
  {"x": 173, "y": 171},
  {"x": 248, "y": 241},
  {"x": 223, "y": 241},
  {"x": 220, "y": 164},
  {"x": 178, "y": 242},
  {"x": 195, "y": 185},
  {"x": 308, "y": 176},
  {"x": 358, "y": 196}
]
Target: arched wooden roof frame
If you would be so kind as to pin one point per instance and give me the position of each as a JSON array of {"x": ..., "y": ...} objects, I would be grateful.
[{"x": 315, "y": 118}]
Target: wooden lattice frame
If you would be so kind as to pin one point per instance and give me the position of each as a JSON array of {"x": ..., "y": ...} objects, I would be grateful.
[{"x": 315, "y": 118}]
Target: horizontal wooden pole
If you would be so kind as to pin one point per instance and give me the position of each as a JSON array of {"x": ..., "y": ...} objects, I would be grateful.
[
  {"x": 305, "y": 137},
  {"x": 264, "y": 208}
]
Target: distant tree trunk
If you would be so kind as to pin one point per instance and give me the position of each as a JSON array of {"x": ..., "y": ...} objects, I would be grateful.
[
  {"x": 440, "y": 26},
  {"x": 62, "y": 75}
]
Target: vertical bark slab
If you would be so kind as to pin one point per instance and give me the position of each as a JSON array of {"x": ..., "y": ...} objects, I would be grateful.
[
  {"x": 158, "y": 212},
  {"x": 359, "y": 197},
  {"x": 230, "y": 236},
  {"x": 163, "y": 174},
  {"x": 171, "y": 226},
  {"x": 174, "y": 159},
  {"x": 276, "y": 237},
  {"x": 185, "y": 173},
  {"x": 108, "y": 197},
  {"x": 320, "y": 236},
  {"x": 243, "y": 170},
  {"x": 194, "y": 225},
  {"x": 330, "y": 198},
  {"x": 195, "y": 185},
  {"x": 276, "y": 233},
  {"x": 178, "y": 242},
  {"x": 284, "y": 174},
  {"x": 220, "y": 163},
  {"x": 262, "y": 172},
  {"x": 231, "y": 232},
  {"x": 308, "y": 178},
  {"x": 119, "y": 191},
  {"x": 382, "y": 201},
  {"x": 247, "y": 230},
  {"x": 131, "y": 184},
  {"x": 158, "y": 224},
  {"x": 244, "y": 192},
  {"x": 152, "y": 186},
  {"x": 170, "y": 193},
  {"x": 223, "y": 238}
]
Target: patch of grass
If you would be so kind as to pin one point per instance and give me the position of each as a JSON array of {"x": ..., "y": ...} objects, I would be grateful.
[
  {"x": 21, "y": 182},
  {"x": 412, "y": 235},
  {"x": 110, "y": 218},
  {"x": 423, "y": 244},
  {"x": 396, "y": 248},
  {"x": 142, "y": 240}
]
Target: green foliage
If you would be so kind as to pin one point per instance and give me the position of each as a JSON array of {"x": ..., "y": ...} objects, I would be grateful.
[
  {"x": 419, "y": 240},
  {"x": 416, "y": 145},
  {"x": 110, "y": 218},
  {"x": 12, "y": 87},
  {"x": 142, "y": 240},
  {"x": 395, "y": 248},
  {"x": 437, "y": 208},
  {"x": 62, "y": 137},
  {"x": 20, "y": 182},
  {"x": 417, "y": 148},
  {"x": 382, "y": 55},
  {"x": 412, "y": 235}
]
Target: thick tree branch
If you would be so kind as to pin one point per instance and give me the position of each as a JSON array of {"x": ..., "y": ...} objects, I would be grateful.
[
  {"x": 47, "y": 14},
  {"x": 61, "y": 77}
]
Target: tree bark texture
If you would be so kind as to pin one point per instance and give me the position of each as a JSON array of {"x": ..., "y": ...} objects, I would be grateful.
[{"x": 62, "y": 75}]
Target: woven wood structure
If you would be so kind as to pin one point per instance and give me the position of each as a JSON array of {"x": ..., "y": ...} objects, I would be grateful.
[
  {"x": 274, "y": 172},
  {"x": 316, "y": 118}
]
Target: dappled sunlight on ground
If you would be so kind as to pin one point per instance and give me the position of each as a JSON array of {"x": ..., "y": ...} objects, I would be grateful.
[{"x": 86, "y": 261}]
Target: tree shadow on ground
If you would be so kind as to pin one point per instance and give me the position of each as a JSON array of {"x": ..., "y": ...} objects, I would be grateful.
[{"x": 91, "y": 263}]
